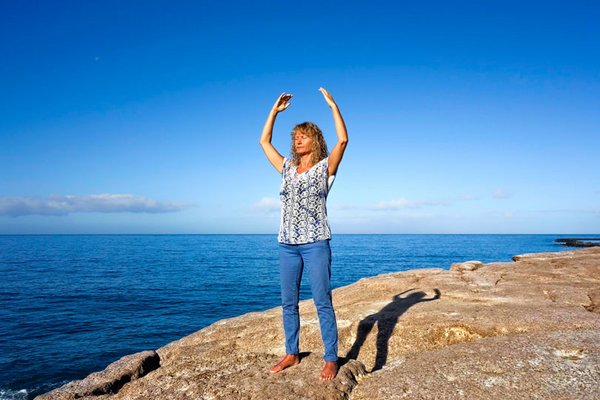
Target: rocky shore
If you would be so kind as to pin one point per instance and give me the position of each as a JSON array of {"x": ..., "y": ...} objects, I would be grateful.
[{"x": 512, "y": 330}]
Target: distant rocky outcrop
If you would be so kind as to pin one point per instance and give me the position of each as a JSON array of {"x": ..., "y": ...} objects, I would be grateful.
[
  {"x": 505, "y": 330},
  {"x": 579, "y": 242}
]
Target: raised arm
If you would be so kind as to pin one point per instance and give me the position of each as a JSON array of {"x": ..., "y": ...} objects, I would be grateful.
[
  {"x": 272, "y": 154},
  {"x": 335, "y": 157}
]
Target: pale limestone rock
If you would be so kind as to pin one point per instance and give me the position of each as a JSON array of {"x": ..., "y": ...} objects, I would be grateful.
[
  {"x": 527, "y": 329},
  {"x": 466, "y": 266},
  {"x": 108, "y": 381},
  {"x": 553, "y": 365}
]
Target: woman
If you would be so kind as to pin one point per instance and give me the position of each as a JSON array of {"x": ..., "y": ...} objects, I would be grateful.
[{"x": 304, "y": 232}]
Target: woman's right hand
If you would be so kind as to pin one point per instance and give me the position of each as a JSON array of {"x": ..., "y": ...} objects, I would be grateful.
[{"x": 282, "y": 102}]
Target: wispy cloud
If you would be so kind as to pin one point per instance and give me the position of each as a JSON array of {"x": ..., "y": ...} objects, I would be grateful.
[
  {"x": 267, "y": 204},
  {"x": 573, "y": 210},
  {"x": 59, "y": 204},
  {"x": 344, "y": 206},
  {"x": 501, "y": 194},
  {"x": 403, "y": 203},
  {"x": 467, "y": 197}
]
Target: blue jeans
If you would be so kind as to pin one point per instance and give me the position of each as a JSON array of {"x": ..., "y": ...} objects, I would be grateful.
[{"x": 316, "y": 257}]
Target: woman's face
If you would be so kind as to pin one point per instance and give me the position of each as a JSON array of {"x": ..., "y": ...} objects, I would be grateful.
[{"x": 302, "y": 144}]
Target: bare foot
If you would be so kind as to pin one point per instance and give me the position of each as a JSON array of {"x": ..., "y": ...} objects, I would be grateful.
[
  {"x": 329, "y": 371},
  {"x": 288, "y": 361}
]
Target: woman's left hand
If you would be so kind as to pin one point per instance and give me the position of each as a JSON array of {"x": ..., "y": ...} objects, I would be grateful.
[{"x": 328, "y": 98}]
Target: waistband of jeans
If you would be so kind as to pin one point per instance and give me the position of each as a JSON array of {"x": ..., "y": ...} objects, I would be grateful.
[{"x": 322, "y": 241}]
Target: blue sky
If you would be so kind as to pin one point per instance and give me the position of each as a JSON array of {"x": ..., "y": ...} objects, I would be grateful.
[{"x": 144, "y": 117}]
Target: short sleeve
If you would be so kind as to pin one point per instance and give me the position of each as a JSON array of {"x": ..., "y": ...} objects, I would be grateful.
[
  {"x": 330, "y": 180},
  {"x": 325, "y": 167}
]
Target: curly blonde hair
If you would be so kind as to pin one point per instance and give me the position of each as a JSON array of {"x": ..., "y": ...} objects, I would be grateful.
[{"x": 319, "y": 146}]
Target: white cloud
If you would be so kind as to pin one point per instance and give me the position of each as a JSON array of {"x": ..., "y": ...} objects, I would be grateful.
[
  {"x": 59, "y": 204},
  {"x": 402, "y": 203},
  {"x": 467, "y": 197},
  {"x": 574, "y": 210},
  {"x": 343, "y": 206},
  {"x": 501, "y": 194},
  {"x": 267, "y": 204}
]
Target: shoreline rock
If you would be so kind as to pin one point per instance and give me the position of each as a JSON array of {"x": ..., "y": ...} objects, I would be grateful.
[
  {"x": 110, "y": 380},
  {"x": 523, "y": 329},
  {"x": 579, "y": 242}
]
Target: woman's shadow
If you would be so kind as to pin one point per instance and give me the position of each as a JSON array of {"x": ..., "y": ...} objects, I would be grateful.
[{"x": 386, "y": 320}]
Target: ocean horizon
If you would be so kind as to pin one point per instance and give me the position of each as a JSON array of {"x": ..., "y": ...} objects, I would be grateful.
[{"x": 74, "y": 303}]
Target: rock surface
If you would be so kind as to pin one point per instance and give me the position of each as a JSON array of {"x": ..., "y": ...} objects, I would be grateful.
[
  {"x": 511, "y": 330},
  {"x": 110, "y": 380},
  {"x": 579, "y": 242}
]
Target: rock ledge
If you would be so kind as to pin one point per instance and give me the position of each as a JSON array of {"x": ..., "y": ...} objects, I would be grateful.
[{"x": 512, "y": 330}]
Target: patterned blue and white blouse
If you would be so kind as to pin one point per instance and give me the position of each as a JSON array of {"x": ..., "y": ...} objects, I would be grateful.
[{"x": 303, "y": 203}]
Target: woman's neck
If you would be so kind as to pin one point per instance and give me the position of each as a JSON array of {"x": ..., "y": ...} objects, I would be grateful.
[{"x": 306, "y": 160}]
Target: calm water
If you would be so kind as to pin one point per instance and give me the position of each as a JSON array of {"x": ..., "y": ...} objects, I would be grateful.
[{"x": 72, "y": 304}]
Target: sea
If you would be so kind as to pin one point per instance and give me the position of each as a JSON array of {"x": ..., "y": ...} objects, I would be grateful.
[{"x": 72, "y": 304}]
